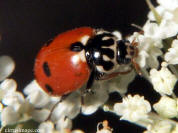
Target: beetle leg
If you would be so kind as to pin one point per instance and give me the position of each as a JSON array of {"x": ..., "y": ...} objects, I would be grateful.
[
  {"x": 90, "y": 80},
  {"x": 88, "y": 86},
  {"x": 135, "y": 64},
  {"x": 63, "y": 97},
  {"x": 115, "y": 74}
]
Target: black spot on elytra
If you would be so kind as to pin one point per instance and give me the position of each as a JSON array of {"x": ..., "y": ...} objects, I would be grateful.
[
  {"x": 49, "y": 88},
  {"x": 76, "y": 47},
  {"x": 46, "y": 69}
]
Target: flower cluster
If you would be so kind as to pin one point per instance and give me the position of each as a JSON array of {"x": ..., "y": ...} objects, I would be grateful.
[
  {"x": 159, "y": 39},
  {"x": 134, "y": 108}
]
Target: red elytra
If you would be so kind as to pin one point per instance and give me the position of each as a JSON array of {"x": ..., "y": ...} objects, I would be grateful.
[{"x": 54, "y": 68}]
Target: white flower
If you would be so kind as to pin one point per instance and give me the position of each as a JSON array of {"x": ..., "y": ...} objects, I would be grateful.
[
  {"x": 31, "y": 87},
  {"x": 167, "y": 15},
  {"x": 168, "y": 4},
  {"x": 155, "y": 32},
  {"x": 172, "y": 55},
  {"x": 160, "y": 127},
  {"x": 22, "y": 112},
  {"x": 167, "y": 28},
  {"x": 7, "y": 86},
  {"x": 133, "y": 108},
  {"x": 7, "y": 66},
  {"x": 14, "y": 99},
  {"x": 149, "y": 50},
  {"x": 175, "y": 15},
  {"x": 18, "y": 108},
  {"x": 150, "y": 43},
  {"x": 169, "y": 23},
  {"x": 63, "y": 123},
  {"x": 38, "y": 99},
  {"x": 40, "y": 115},
  {"x": 46, "y": 127},
  {"x": 152, "y": 32},
  {"x": 92, "y": 101},
  {"x": 69, "y": 107},
  {"x": 36, "y": 95},
  {"x": 163, "y": 80},
  {"x": 9, "y": 116},
  {"x": 166, "y": 107}
]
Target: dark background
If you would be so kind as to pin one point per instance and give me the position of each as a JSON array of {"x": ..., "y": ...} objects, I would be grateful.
[{"x": 25, "y": 25}]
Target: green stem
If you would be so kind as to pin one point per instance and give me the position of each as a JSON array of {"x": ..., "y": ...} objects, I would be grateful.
[{"x": 152, "y": 8}]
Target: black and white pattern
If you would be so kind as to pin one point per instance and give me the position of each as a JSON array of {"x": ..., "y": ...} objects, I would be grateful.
[
  {"x": 100, "y": 51},
  {"x": 106, "y": 55},
  {"x": 104, "y": 52},
  {"x": 122, "y": 53}
]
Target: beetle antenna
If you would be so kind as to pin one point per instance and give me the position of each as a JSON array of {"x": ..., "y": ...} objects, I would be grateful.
[{"x": 138, "y": 27}]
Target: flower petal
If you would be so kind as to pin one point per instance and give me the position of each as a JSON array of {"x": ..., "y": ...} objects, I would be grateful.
[
  {"x": 38, "y": 98},
  {"x": 92, "y": 101},
  {"x": 14, "y": 99},
  {"x": 172, "y": 55},
  {"x": 31, "y": 87},
  {"x": 7, "y": 86},
  {"x": 133, "y": 108},
  {"x": 168, "y": 4},
  {"x": 40, "y": 115},
  {"x": 166, "y": 107},
  {"x": 64, "y": 123},
  {"x": 69, "y": 107},
  {"x": 9, "y": 116},
  {"x": 160, "y": 80},
  {"x": 7, "y": 66},
  {"x": 46, "y": 127}
]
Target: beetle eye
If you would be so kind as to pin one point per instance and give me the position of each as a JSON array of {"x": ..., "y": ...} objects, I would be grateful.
[{"x": 76, "y": 47}]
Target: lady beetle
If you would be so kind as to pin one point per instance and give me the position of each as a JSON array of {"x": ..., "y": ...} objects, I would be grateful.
[{"x": 81, "y": 56}]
